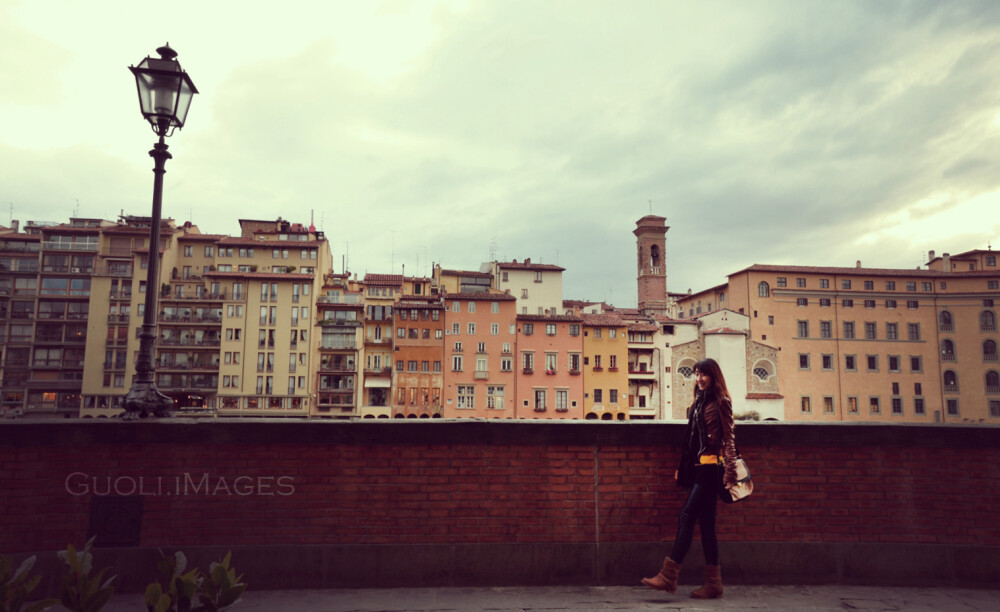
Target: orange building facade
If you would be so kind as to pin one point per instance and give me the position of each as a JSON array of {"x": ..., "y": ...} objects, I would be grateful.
[{"x": 480, "y": 343}]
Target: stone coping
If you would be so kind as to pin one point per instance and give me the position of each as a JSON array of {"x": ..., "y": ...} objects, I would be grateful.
[{"x": 28, "y": 432}]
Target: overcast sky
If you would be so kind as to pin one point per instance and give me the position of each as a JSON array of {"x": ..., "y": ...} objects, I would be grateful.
[{"x": 808, "y": 133}]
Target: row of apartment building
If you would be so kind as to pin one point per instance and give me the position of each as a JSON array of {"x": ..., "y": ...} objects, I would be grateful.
[{"x": 260, "y": 325}]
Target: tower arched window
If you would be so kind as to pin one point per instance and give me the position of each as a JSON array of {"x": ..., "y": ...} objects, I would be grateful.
[
  {"x": 987, "y": 321},
  {"x": 946, "y": 321},
  {"x": 950, "y": 380},
  {"x": 992, "y": 382},
  {"x": 947, "y": 350},
  {"x": 990, "y": 350},
  {"x": 763, "y": 289},
  {"x": 654, "y": 258}
]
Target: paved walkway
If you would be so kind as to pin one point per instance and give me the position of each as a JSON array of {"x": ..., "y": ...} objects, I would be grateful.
[{"x": 555, "y": 599}]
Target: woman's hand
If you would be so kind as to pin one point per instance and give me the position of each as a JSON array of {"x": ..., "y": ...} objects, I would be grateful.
[{"x": 675, "y": 474}]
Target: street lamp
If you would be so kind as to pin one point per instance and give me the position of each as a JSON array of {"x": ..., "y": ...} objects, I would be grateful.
[{"x": 165, "y": 94}]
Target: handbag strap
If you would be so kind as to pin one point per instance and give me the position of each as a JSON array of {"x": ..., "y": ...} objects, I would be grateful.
[{"x": 722, "y": 436}]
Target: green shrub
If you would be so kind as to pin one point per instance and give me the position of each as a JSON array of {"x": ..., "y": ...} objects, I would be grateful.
[
  {"x": 15, "y": 587},
  {"x": 81, "y": 592},
  {"x": 192, "y": 591}
]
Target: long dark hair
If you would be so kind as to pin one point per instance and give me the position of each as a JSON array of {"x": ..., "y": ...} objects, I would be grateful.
[{"x": 718, "y": 389}]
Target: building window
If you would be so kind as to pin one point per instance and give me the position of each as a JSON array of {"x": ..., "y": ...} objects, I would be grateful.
[
  {"x": 849, "y": 330},
  {"x": 893, "y": 363},
  {"x": 574, "y": 329},
  {"x": 845, "y": 283},
  {"x": 952, "y": 406},
  {"x": 890, "y": 285},
  {"x": 892, "y": 331},
  {"x": 912, "y": 286},
  {"x": 869, "y": 330},
  {"x": 782, "y": 281},
  {"x": 802, "y": 301},
  {"x": 850, "y": 363},
  {"x": 874, "y": 405},
  {"x": 912, "y": 304},
  {"x": 846, "y": 303},
  {"x": 827, "y": 362},
  {"x": 916, "y": 363},
  {"x": 824, "y": 283},
  {"x": 466, "y": 397},
  {"x": 869, "y": 285},
  {"x": 872, "y": 362},
  {"x": 869, "y": 303},
  {"x": 528, "y": 329},
  {"x": 987, "y": 321},
  {"x": 456, "y": 363},
  {"x": 803, "y": 329},
  {"x": 803, "y": 361},
  {"x": 824, "y": 302},
  {"x": 540, "y": 400},
  {"x": 918, "y": 405},
  {"x": 528, "y": 362},
  {"x": 828, "y": 404},
  {"x": 550, "y": 329},
  {"x": 806, "y": 403},
  {"x": 763, "y": 290},
  {"x": 800, "y": 283},
  {"x": 598, "y": 396},
  {"x": 926, "y": 286},
  {"x": 890, "y": 304},
  {"x": 494, "y": 397},
  {"x": 989, "y": 350},
  {"x": 913, "y": 331},
  {"x": 852, "y": 405}
]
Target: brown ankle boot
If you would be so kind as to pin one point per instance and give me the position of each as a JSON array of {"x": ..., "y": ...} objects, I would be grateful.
[
  {"x": 666, "y": 580},
  {"x": 713, "y": 584}
]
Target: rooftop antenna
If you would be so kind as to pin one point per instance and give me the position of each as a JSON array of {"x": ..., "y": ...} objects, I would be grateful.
[
  {"x": 76, "y": 211},
  {"x": 493, "y": 249},
  {"x": 651, "y": 206}
]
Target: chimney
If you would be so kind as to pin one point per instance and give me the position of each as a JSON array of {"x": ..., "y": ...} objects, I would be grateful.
[
  {"x": 15, "y": 225},
  {"x": 858, "y": 264},
  {"x": 930, "y": 255},
  {"x": 946, "y": 260},
  {"x": 527, "y": 260}
]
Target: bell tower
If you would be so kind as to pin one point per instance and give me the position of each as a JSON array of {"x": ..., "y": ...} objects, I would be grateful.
[{"x": 651, "y": 243}]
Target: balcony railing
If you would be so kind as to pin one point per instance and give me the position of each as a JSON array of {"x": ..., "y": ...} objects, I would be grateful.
[
  {"x": 953, "y": 388},
  {"x": 990, "y": 357},
  {"x": 69, "y": 246},
  {"x": 481, "y": 375},
  {"x": 378, "y": 371}
]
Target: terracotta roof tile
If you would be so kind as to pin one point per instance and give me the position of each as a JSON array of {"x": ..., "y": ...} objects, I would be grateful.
[
  {"x": 724, "y": 331},
  {"x": 603, "y": 320},
  {"x": 549, "y": 318},
  {"x": 261, "y": 275},
  {"x": 469, "y": 273},
  {"x": 765, "y": 396},
  {"x": 895, "y": 272},
  {"x": 383, "y": 280}
]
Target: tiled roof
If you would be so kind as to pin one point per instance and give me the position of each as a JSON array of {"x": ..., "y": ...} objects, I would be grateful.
[
  {"x": 897, "y": 272},
  {"x": 203, "y": 237},
  {"x": 765, "y": 396},
  {"x": 482, "y": 297},
  {"x": 21, "y": 237},
  {"x": 130, "y": 229},
  {"x": 549, "y": 318},
  {"x": 710, "y": 312},
  {"x": 603, "y": 320},
  {"x": 642, "y": 327},
  {"x": 513, "y": 265},
  {"x": 389, "y": 280},
  {"x": 666, "y": 319}
]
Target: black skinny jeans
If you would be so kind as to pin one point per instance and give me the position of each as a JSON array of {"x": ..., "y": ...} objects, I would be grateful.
[{"x": 700, "y": 507}]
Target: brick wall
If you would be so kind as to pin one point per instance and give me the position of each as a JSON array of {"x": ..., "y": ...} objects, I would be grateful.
[{"x": 457, "y": 483}]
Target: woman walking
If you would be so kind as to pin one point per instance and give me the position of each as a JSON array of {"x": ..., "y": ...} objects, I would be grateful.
[{"x": 708, "y": 459}]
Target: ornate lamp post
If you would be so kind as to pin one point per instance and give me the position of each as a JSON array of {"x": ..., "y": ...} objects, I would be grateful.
[{"x": 165, "y": 94}]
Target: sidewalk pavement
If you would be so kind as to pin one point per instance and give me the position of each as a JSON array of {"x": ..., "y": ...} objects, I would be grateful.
[{"x": 555, "y": 599}]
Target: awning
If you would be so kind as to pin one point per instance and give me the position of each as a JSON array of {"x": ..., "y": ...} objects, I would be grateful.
[{"x": 379, "y": 382}]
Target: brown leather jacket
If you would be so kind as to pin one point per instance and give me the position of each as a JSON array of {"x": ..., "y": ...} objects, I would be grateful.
[
  {"x": 714, "y": 420},
  {"x": 714, "y": 414}
]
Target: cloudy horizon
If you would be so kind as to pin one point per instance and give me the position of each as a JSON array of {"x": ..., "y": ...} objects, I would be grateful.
[{"x": 798, "y": 133}]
